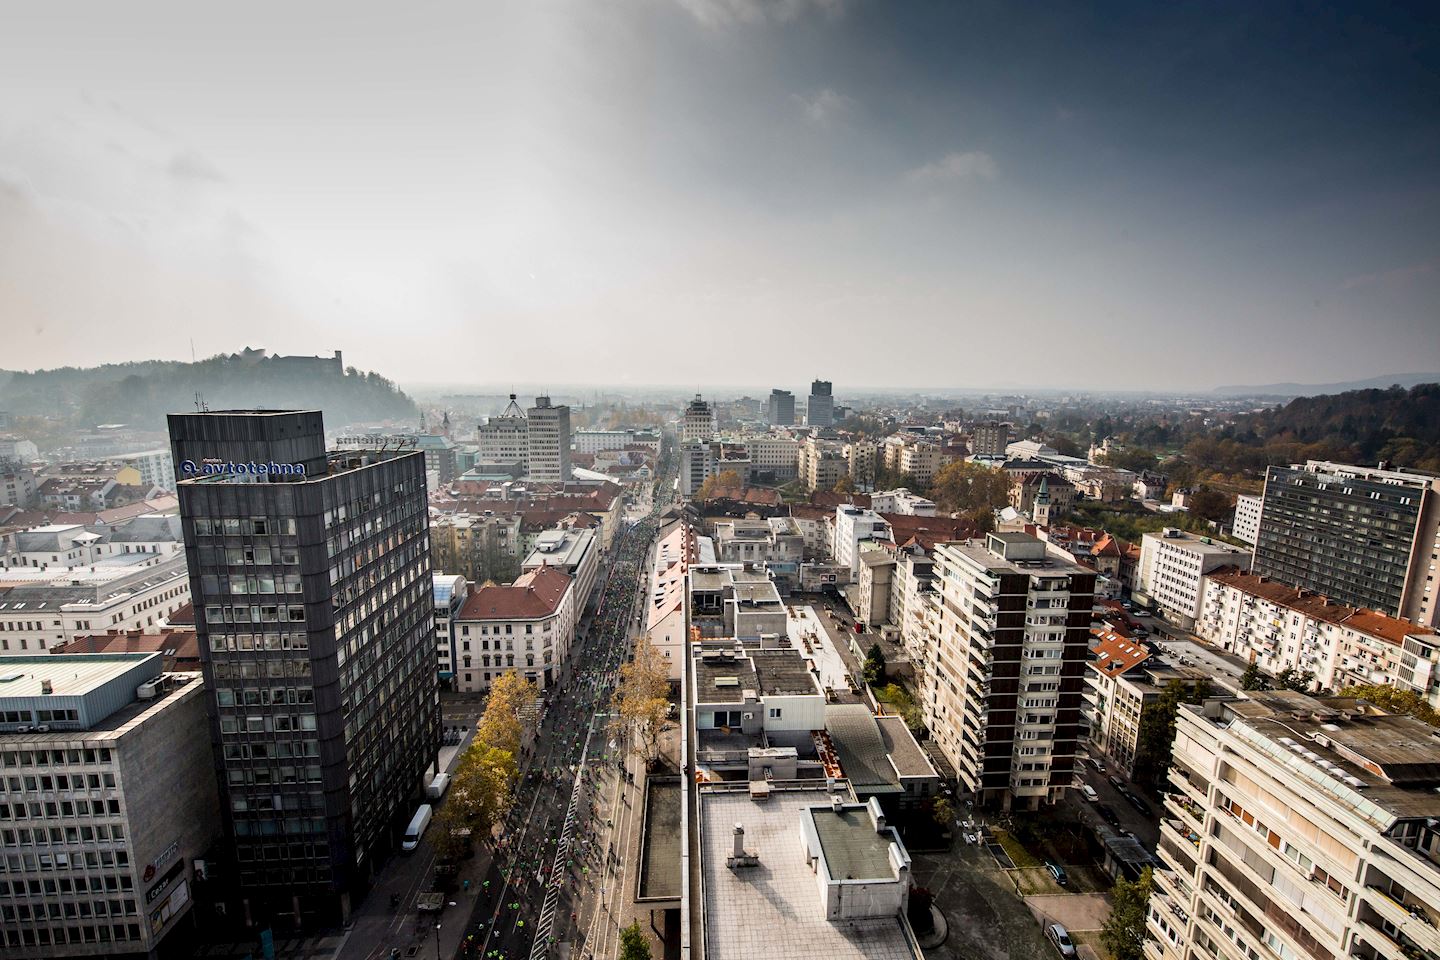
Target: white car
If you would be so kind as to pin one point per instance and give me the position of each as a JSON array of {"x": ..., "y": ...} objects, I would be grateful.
[
  {"x": 1088, "y": 792},
  {"x": 1059, "y": 936}
]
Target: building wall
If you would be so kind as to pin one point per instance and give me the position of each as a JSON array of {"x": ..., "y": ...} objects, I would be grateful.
[{"x": 1247, "y": 518}]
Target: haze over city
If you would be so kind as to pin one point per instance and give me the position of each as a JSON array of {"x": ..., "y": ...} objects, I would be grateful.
[{"x": 604, "y": 190}]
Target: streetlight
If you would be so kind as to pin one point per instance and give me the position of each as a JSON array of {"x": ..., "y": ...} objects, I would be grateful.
[{"x": 437, "y": 941}]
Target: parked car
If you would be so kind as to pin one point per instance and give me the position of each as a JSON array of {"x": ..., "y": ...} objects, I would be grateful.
[
  {"x": 1107, "y": 813},
  {"x": 1142, "y": 613},
  {"x": 1088, "y": 792},
  {"x": 1059, "y": 936},
  {"x": 1099, "y": 767},
  {"x": 1140, "y": 806},
  {"x": 1058, "y": 872},
  {"x": 1117, "y": 783}
]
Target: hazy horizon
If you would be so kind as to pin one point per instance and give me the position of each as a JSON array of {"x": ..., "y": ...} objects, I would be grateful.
[{"x": 1153, "y": 198}]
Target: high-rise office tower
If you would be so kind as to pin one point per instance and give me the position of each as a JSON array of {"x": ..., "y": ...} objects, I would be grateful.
[
  {"x": 781, "y": 408},
  {"x": 698, "y": 422},
  {"x": 549, "y": 441},
  {"x": 504, "y": 440},
  {"x": 820, "y": 411},
  {"x": 1365, "y": 536},
  {"x": 313, "y": 607}
]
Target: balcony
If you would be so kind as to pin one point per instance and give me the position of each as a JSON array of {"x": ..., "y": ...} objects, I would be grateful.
[
  {"x": 1412, "y": 920},
  {"x": 1191, "y": 813},
  {"x": 1181, "y": 830}
]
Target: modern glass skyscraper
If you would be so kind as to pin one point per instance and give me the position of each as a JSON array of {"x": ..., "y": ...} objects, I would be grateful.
[
  {"x": 780, "y": 410},
  {"x": 1363, "y": 536},
  {"x": 313, "y": 607}
]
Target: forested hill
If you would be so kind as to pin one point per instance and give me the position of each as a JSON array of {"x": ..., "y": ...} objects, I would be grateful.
[
  {"x": 141, "y": 394},
  {"x": 1399, "y": 426}
]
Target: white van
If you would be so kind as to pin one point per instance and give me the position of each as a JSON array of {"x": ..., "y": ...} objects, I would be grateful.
[
  {"x": 436, "y": 789},
  {"x": 416, "y": 830}
]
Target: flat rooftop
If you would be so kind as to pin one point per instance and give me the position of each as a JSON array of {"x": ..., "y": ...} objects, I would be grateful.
[
  {"x": 783, "y": 673},
  {"x": 852, "y": 848},
  {"x": 774, "y": 910},
  {"x": 1385, "y": 766},
  {"x": 660, "y": 852},
  {"x": 735, "y": 676},
  {"x": 71, "y": 676},
  {"x": 103, "y": 570}
]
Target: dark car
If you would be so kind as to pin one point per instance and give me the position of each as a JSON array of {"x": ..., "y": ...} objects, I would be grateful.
[
  {"x": 1058, "y": 872},
  {"x": 1107, "y": 813},
  {"x": 1116, "y": 782},
  {"x": 1140, "y": 806}
]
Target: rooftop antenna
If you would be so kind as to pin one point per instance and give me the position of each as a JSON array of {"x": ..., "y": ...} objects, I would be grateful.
[
  {"x": 200, "y": 405},
  {"x": 192, "y": 349}
]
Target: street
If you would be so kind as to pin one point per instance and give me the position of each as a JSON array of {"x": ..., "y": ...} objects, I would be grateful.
[{"x": 524, "y": 890}]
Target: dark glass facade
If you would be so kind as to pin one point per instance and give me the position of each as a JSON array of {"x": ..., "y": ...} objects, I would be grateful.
[
  {"x": 313, "y": 607},
  {"x": 1347, "y": 537}
]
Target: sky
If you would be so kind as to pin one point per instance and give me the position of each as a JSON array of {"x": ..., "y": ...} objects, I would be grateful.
[{"x": 874, "y": 192}]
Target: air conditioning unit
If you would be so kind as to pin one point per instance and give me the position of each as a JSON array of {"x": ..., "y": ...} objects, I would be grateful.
[
  {"x": 25, "y": 729},
  {"x": 43, "y": 728}
]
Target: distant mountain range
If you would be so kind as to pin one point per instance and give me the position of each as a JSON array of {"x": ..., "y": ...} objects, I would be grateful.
[{"x": 1406, "y": 380}]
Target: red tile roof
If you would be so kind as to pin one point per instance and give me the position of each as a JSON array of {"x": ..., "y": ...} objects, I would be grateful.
[
  {"x": 532, "y": 596},
  {"x": 183, "y": 645},
  {"x": 1318, "y": 607},
  {"x": 831, "y": 499},
  {"x": 1115, "y": 654},
  {"x": 903, "y": 526}
]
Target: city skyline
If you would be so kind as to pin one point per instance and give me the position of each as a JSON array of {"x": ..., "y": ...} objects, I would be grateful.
[{"x": 1132, "y": 183}]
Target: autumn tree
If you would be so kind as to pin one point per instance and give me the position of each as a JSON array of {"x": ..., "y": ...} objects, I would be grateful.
[
  {"x": 845, "y": 484},
  {"x": 972, "y": 490},
  {"x": 1208, "y": 504},
  {"x": 724, "y": 480},
  {"x": 500, "y": 725},
  {"x": 641, "y": 703}
]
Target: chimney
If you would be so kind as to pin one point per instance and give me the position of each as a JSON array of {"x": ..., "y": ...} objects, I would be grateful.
[
  {"x": 739, "y": 841},
  {"x": 836, "y": 803},
  {"x": 46, "y": 687}
]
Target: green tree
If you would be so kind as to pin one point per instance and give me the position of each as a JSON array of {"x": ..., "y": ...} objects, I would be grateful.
[
  {"x": 1123, "y": 934},
  {"x": 874, "y": 670},
  {"x": 1291, "y": 679},
  {"x": 1252, "y": 678},
  {"x": 944, "y": 812},
  {"x": 1156, "y": 736},
  {"x": 1208, "y": 504},
  {"x": 1393, "y": 700},
  {"x": 633, "y": 945}
]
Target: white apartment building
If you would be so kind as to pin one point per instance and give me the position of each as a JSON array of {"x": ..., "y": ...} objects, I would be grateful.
[
  {"x": 854, "y": 525},
  {"x": 913, "y": 577},
  {"x": 777, "y": 455},
  {"x": 504, "y": 440},
  {"x": 1172, "y": 564},
  {"x": 862, "y": 455},
  {"x": 108, "y": 803},
  {"x": 698, "y": 421},
  {"x": 665, "y": 616},
  {"x": 1247, "y": 517},
  {"x": 697, "y": 464},
  {"x": 1278, "y": 627},
  {"x": 528, "y": 626},
  {"x": 548, "y": 440},
  {"x": 776, "y": 540},
  {"x": 902, "y": 501},
  {"x": 44, "y": 608},
  {"x": 915, "y": 458},
  {"x": 574, "y": 552},
  {"x": 822, "y": 464},
  {"x": 1301, "y": 828},
  {"x": 1003, "y": 671},
  {"x": 156, "y": 467}
]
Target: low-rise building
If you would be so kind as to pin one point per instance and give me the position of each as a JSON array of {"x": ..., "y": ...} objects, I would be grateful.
[
  {"x": 1173, "y": 564},
  {"x": 450, "y": 591},
  {"x": 108, "y": 804},
  {"x": 775, "y": 540},
  {"x": 902, "y": 501},
  {"x": 1278, "y": 627},
  {"x": 43, "y": 607},
  {"x": 527, "y": 626},
  {"x": 573, "y": 552}
]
